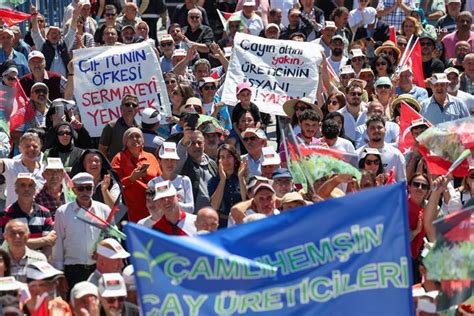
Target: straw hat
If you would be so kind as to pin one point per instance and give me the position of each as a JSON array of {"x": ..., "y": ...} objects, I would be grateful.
[
  {"x": 388, "y": 45},
  {"x": 408, "y": 99},
  {"x": 289, "y": 106}
]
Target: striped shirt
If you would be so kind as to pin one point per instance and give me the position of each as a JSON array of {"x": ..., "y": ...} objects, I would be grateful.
[{"x": 39, "y": 221}]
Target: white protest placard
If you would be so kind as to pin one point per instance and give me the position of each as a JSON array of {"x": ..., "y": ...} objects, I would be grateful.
[
  {"x": 103, "y": 75},
  {"x": 278, "y": 70}
]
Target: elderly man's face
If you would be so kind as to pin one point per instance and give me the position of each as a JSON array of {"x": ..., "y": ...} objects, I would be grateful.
[
  {"x": 196, "y": 148},
  {"x": 53, "y": 177},
  {"x": 468, "y": 65},
  {"x": 168, "y": 205},
  {"x": 30, "y": 149},
  {"x": 201, "y": 71},
  {"x": 282, "y": 186},
  {"x": 194, "y": 19},
  {"x": 440, "y": 89},
  {"x": 463, "y": 23},
  {"x": 265, "y": 201},
  {"x": 37, "y": 65},
  {"x": 128, "y": 35},
  {"x": 83, "y": 192},
  {"x": 85, "y": 303},
  {"x": 112, "y": 305},
  {"x": 208, "y": 221},
  {"x": 110, "y": 36},
  {"x": 25, "y": 189},
  {"x": 462, "y": 50},
  {"x": 16, "y": 235},
  {"x": 6, "y": 40}
]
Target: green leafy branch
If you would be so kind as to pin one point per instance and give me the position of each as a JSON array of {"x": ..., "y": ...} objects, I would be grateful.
[{"x": 151, "y": 262}]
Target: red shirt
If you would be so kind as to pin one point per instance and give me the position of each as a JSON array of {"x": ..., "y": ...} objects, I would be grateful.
[
  {"x": 414, "y": 213},
  {"x": 134, "y": 192}
]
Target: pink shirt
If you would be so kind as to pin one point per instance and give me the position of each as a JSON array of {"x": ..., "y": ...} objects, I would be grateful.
[{"x": 450, "y": 41}]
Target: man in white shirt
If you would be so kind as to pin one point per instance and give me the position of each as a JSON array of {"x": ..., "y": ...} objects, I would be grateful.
[
  {"x": 337, "y": 59},
  {"x": 353, "y": 109},
  {"x": 75, "y": 239},
  {"x": 252, "y": 21},
  {"x": 391, "y": 156},
  {"x": 254, "y": 140},
  {"x": 109, "y": 259},
  {"x": 330, "y": 131},
  {"x": 453, "y": 89}
]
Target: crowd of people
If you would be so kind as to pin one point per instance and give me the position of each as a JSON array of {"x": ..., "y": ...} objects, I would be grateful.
[{"x": 213, "y": 165}]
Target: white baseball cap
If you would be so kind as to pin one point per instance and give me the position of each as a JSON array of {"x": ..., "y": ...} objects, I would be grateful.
[
  {"x": 114, "y": 251},
  {"x": 270, "y": 157},
  {"x": 25, "y": 176},
  {"x": 41, "y": 270},
  {"x": 164, "y": 189},
  {"x": 168, "y": 151},
  {"x": 35, "y": 54},
  {"x": 439, "y": 78},
  {"x": 150, "y": 116},
  {"x": 9, "y": 284},
  {"x": 54, "y": 164},
  {"x": 112, "y": 285},
  {"x": 84, "y": 288}
]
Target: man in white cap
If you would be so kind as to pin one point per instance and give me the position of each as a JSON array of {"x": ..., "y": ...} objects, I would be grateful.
[
  {"x": 54, "y": 47},
  {"x": 271, "y": 161},
  {"x": 167, "y": 48},
  {"x": 150, "y": 122},
  {"x": 264, "y": 200},
  {"x": 109, "y": 258},
  {"x": 112, "y": 295},
  {"x": 39, "y": 219},
  {"x": 51, "y": 79},
  {"x": 252, "y": 21},
  {"x": 327, "y": 33},
  {"x": 272, "y": 31},
  {"x": 405, "y": 85},
  {"x": 254, "y": 140},
  {"x": 442, "y": 107},
  {"x": 45, "y": 280},
  {"x": 85, "y": 299},
  {"x": 8, "y": 53},
  {"x": 453, "y": 88},
  {"x": 52, "y": 195},
  {"x": 16, "y": 235},
  {"x": 72, "y": 252},
  {"x": 152, "y": 206},
  {"x": 175, "y": 221}
]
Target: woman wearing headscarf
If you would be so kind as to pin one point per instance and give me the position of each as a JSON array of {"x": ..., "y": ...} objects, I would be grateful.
[
  {"x": 63, "y": 145},
  {"x": 135, "y": 168}
]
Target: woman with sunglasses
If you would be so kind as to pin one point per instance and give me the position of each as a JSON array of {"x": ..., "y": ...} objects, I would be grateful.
[
  {"x": 9, "y": 73},
  {"x": 402, "y": 42},
  {"x": 211, "y": 102},
  {"x": 384, "y": 94},
  {"x": 63, "y": 146},
  {"x": 245, "y": 120},
  {"x": 418, "y": 191},
  {"x": 371, "y": 161},
  {"x": 135, "y": 168},
  {"x": 106, "y": 181},
  {"x": 382, "y": 66},
  {"x": 334, "y": 102},
  {"x": 83, "y": 39}
]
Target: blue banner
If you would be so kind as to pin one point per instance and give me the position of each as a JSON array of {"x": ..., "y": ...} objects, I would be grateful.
[{"x": 347, "y": 256}]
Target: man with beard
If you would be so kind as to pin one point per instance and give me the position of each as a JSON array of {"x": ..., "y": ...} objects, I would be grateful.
[
  {"x": 127, "y": 34},
  {"x": 211, "y": 139},
  {"x": 297, "y": 24},
  {"x": 254, "y": 140},
  {"x": 463, "y": 33},
  {"x": 453, "y": 89},
  {"x": 442, "y": 107},
  {"x": 391, "y": 156},
  {"x": 175, "y": 221},
  {"x": 330, "y": 131},
  {"x": 37, "y": 64},
  {"x": 462, "y": 48},
  {"x": 352, "y": 110},
  {"x": 467, "y": 78},
  {"x": 336, "y": 60},
  {"x": 431, "y": 64},
  {"x": 309, "y": 121}
]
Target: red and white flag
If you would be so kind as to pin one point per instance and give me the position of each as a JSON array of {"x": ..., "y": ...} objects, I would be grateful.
[
  {"x": 407, "y": 116},
  {"x": 224, "y": 16},
  {"x": 414, "y": 62},
  {"x": 21, "y": 112},
  {"x": 12, "y": 17}
]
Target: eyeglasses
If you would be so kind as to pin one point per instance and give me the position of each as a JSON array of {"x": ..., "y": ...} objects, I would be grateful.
[
  {"x": 347, "y": 76},
  {"x": 334, "y": 102},
  {"x": 166, "y": 44},
  {"x": 426, "y": 43},
  {"x": 401, "y": 44},
  {"x": 9, "y": 78},
  {"x": 300, "y": 108},
  {"x": 110, "y": 14},
  {"x": 170, "y": 81},
  {"x": 369, "y": 162},
  {"x": 112, "y": 300},
  {"x": 84, "y": 188},
  {"x": 64, "y": 133},
  {"x": 194, "y": 17},
  {"x": 381, "y": 64},
  {"x": 251, "y": 138},
  {"x": 383, "y": 86},
  {"x": 40, "y": 21},
  {"x": 211, "y": 87},
  {"x": 130, "y": 105},
  {"x": 233, "y": 26},
  {"x": 40, "y": 91},
  {"x": 355, "y": 94},
  {"x": 356, "y": 59},
  {"x": 420, "y": 185}
]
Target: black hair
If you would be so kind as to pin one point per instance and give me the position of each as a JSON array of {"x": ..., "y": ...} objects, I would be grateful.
[
  {"x": 375, "y": 118},
  {"x": 309, "y": 115},
  {"x": 330, "y": 129}
]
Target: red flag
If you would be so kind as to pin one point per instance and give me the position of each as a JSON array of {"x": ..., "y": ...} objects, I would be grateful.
[
  {"x": 391, "y": 176},
  {"x": 12, "y": 17},
  {"x": 392, "y": 37},
  {"x": 325, "y": 151},
  {"x": 440, "y": 166},
  {"x": 407, "y": 116},
  {"x": 22, "y": 112},
  {"x": 224, "y": 16},
  {"x": 414, "y": 62},
  {"x": 333, "y": 78}
]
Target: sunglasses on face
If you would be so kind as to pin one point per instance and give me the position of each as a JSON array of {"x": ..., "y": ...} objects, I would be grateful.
[
  {"x": 110, "y": 14},
  {"x": 64, "y": 133},
  {"x": 194, "y": 17},
  {"x": 346, "y": 77},
  {"x": 211, "y": 87},
  {"x": 112, "y": 300},
  {"x": 426, "y": 44},
  {"x": 334, "y": 102},
  {"x": 369, "y": 162},
  {"x": 130, "y": 105},
  {"x": 420, "y": 185},
  {"x": 401, "y": 44},
  {"x": 357, "y": 59},
  {"x": 170, "y": 81},
  {"x": 355, "y": 94},
  {"x": 40, "y": 91},
  {"x": 8, "y": 78},
  {"x": 383, "y": 86},
  {"x": 84, "y": 188},
  {"x": 300, "y": 108},
  {"x": 381, "y": 64},
  {"x": 251, "y": 138},
  {"x": 166, "y": 44}
]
